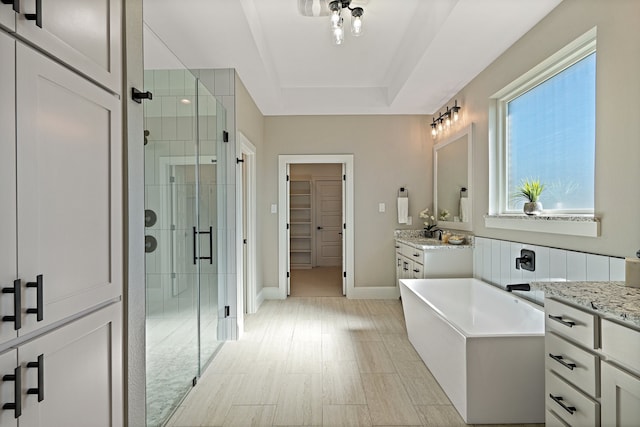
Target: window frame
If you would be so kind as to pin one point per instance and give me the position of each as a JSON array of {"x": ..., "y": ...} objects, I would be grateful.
[{"x": 569, "y": 55}]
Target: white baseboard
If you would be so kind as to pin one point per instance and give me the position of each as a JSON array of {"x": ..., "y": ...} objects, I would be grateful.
[
  {"x": 374, "y": 292},
  {"x": 270, "y": 292}
]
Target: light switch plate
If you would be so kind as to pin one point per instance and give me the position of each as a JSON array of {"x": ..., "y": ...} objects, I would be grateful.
[
  {"x": 381, "y": 207},
  {"x": 274, "y": 208}
]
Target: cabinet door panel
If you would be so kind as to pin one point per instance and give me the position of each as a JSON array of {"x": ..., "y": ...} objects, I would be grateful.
[
  {"x": 7, "y": 17},
  {"x": 8, "y": 267},
  {"x": 82, "y": 373},
  {"x": 82, "y": 33},
  {"x": 69, "y": 189},
  {"x": 620, "y": 397},
  {"x": 8, "y": 363}
]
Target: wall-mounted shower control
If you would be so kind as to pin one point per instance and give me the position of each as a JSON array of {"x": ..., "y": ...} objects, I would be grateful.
[{"x": 527, "y": 260}]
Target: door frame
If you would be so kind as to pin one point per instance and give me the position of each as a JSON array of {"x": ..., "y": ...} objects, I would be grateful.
[
  {"x": 284, "y": 160},
  {"x": 246, "y": 147}
]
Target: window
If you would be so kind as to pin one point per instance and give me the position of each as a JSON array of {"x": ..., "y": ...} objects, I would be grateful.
[{"x": 545, "y": 129}]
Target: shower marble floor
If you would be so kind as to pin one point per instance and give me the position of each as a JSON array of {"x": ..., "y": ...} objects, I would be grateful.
[
  {"x": 319, "y": 362},
  {"x": 172, "y": 361}
]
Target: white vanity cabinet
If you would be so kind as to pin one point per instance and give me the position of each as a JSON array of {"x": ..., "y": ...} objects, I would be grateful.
[
  {"x": 61, "y": 233},
  {"x": 592, "y": 368},
  {"x": 71, "y": 376},
  {"x": 421, "y": 261}
]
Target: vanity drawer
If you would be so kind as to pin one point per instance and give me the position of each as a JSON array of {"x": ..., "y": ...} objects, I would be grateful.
[
  {"x": 416, "y": 255},
  {"x": 621, "y": 343},
  {"x": 552, "y": 420},
  {"x": 569, "y": 404},
  {"x": 577, "y": 366},
  {"x": 571, "y": 322},
  {"x": 416, "y": 270}
]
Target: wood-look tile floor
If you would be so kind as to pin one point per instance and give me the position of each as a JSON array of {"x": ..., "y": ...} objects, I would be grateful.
[{"x": 319, "y": 362}]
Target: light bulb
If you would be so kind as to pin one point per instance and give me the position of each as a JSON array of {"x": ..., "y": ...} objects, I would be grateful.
[
  {"x": 338, "y": 35},
  {"x": 356, "y": 21},
  {"x": 336, "y": 19},
  {"x": 434, "y": 132},
  {"x": 440, "y": 126},
  {"x": 448, "y": 121},
  {"x": 455, "y": 116}
]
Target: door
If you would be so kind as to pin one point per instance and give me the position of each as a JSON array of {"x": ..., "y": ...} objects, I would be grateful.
[
  {"x": 8, "y": 17},
  {"x": 8, "y": 260},
  {"x": 328, "y": 220},
  {"x": 76, "y": 371},
  {"x": 69, "y": 184},
  {"x": 84, "y": 34},
  {"x": 288, "y": 229}
]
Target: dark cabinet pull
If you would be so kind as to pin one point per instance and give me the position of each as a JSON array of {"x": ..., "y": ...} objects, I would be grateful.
[
  {"x": 416, "y": 255},
  {"x": 36, "y": 16},
  {"x": 40, "y": 366},
  {"x": 558, "y": 400},
  {"x": 17, "y": 302},
  {"x": 559, "y": 319},
  {"x": 561, "y": 361},
  {"x": 16, "y": 7},
  {"x": 16, "y": 405},
  {"x": 416, "y": 271},
  {"x": 38, "y": 311}
]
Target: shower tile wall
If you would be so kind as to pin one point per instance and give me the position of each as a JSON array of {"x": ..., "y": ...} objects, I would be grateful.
[{"x": 494, "y": 262}]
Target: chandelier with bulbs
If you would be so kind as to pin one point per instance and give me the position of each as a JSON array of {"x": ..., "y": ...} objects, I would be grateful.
[{"x": 337, "y": 21}]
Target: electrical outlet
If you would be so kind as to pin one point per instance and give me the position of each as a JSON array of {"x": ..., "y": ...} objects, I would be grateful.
[
  {"x": 274, "y": 208},
  {"x": 381, "y": 207}
]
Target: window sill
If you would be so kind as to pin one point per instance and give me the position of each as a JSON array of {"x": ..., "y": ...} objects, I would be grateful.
[{"x": 585, "y": 226}]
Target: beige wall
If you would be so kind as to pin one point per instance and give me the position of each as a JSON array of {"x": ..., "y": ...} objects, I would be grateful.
[
  {"x": 389, "y": 152},
  {"x": 394, "y": 151},
  {"x": 617, "y": 199}
]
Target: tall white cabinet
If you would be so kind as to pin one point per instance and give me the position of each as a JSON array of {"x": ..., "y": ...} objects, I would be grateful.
[{"x": 61, "y": 214}]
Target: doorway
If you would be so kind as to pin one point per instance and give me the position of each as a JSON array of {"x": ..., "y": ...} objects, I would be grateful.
[
  {"x": 315, "y": 230},
  {"x": 299, "y": 254}
]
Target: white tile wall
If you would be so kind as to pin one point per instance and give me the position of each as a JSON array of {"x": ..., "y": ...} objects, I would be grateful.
[{"x": 494, "y": 262}]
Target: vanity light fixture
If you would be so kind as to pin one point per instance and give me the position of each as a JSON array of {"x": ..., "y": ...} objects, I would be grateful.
[
  {"x": 337, "y": 27},
  {"x": 445, "y": 120}
]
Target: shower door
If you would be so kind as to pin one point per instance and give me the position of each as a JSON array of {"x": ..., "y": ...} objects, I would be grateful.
[{"x": 183, "y": 139}]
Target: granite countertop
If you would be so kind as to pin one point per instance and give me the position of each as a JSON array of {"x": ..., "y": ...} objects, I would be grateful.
[
  {"x": 612, "y": 299},
  {"x": 416, "y": 239}
]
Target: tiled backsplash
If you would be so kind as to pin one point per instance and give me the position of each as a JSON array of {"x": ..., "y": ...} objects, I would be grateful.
[{"x": 495, "y": 262}]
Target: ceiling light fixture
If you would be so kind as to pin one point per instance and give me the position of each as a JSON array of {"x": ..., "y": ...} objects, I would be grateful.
[
  {"x": 445, "y": 120},
  {"x": 337, "y": 27}
]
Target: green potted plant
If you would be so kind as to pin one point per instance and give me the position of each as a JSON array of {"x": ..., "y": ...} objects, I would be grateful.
[{"x": 530, "y": 190}]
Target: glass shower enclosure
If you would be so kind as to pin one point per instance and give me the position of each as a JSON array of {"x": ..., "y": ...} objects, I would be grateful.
[{"x": 184, "y": 211}]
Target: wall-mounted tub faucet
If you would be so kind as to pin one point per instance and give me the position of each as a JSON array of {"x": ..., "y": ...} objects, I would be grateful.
[
  {"x": 527, "y": 260},
  {"x": 518, "y": 287}
]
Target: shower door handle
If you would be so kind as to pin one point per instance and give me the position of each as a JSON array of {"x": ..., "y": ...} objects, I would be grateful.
[{"x": 195, "y": 237}]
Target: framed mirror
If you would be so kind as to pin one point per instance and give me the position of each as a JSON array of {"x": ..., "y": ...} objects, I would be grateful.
[{"x": 452, "y": 176}]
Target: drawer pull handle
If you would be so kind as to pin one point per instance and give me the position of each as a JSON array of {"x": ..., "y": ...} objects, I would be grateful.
[
  {"x": 38, "y": 311},
  {"x": 558, "y": 400},
  {"x": 416, "y": 271},
  {"x": 559, "y": 319},
  {"x": 17, "y": 389},
  {"x": 15, "y": 3},
  {"x": 36, "y": 16},
  {"x": 416, "y": 255},
  {"x": 17, "y": 302},
  {"x": 561, "y": 361},
  {"x": 40, "y": 389}
]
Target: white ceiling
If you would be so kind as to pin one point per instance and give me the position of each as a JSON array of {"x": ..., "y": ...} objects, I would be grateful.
[{"x": 413, "y": 57}]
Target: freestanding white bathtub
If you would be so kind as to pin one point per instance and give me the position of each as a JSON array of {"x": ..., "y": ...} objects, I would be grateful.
[{"x": 483, "y": 345}]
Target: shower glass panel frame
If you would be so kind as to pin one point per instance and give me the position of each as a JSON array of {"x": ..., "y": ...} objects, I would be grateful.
[{"x": 184, "y": 212}]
